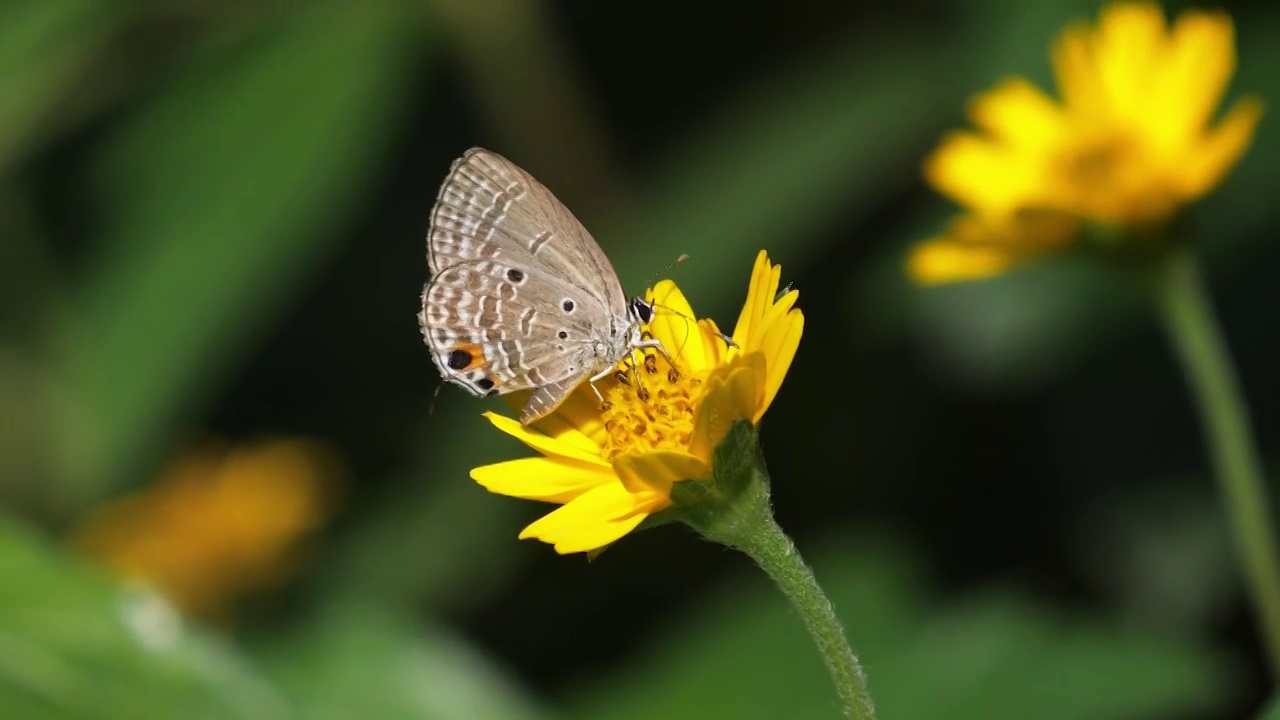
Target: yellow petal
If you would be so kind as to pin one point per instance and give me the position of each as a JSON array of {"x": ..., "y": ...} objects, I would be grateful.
[
  {"x": 760, "y": 294},
  {"x": 782, "y": 340},
  {"x": 1076, "y": 72},
  {"x": 540, "y": 478},
  {"x": 1130, "y": 45},
  {"x": 983, "y": 175},
  {"x": 717, "y": 348},
  {"x": 732, "y": 392},
  {"x": 676, "y": 326},
  {"x": 578, "y": 420},
  {"x": 549, "y": 446},
  {"x": 657, "y": 470},
  {"x": 1194, "y": 77},
  {"x": 1221, "y": 150},
  {"x": 1020, "y": 116},
  {"x": 941, "y": 260},
  {"x": 594, "y": 519}
]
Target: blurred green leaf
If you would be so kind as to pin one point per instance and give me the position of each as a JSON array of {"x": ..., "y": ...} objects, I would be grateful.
[
  {"x": 354, "y": 661},
  {"x": 222, "y": 195},
  {"x": 73, "y": 645},
  {"x": 1272, "y": 710},
  {"x": 45, "y": 46},
  {"x": 997, "y": 655}
]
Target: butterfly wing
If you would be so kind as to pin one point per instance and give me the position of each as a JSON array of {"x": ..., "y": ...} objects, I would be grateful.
[
  {"x": 493, "y": 335},
  {"x": 490, "y": 208},
  {"x": 517, "y": 285}
]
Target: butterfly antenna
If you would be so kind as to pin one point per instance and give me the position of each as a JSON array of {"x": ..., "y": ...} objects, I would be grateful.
[
  {"x": 728, "y": 339},
  {"x": 663, "y": 271}
]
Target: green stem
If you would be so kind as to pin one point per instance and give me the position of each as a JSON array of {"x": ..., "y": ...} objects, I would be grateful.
[
  {"x": 746, "y": 523},
  {"x": 1197, "y": 339}
]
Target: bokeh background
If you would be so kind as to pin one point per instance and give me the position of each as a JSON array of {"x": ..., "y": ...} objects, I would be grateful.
[{"x": 225, "y": 493}]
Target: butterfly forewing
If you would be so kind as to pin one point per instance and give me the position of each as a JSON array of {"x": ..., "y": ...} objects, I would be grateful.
[{"x": 489, "y": 207}]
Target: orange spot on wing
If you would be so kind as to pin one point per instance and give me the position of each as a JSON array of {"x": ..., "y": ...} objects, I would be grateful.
[{"x": 475, "y": 352}]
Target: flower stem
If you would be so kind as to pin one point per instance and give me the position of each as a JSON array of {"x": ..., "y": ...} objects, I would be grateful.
[
  {"x": 1197, "y": 339},
  {"x": 746, "y": 523}
]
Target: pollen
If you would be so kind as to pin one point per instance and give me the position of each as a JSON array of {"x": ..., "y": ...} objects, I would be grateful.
[{"x": 651, "y": 409}]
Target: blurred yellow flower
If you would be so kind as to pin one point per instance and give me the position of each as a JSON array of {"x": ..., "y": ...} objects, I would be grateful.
[
  {"x": 612, "y": 467},
  {"x": 1128, "y": 146},
  {"x": 219, "y": 523}
]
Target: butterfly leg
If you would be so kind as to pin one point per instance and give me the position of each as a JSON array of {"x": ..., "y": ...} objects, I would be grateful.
[
  {"x": 653, "y": 343},
  {"x": 592, "y": 382},
  {"x": 635, "y": 370}
]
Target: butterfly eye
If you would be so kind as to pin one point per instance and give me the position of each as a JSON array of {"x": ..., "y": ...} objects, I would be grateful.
[{"x": 641, "y": 311}]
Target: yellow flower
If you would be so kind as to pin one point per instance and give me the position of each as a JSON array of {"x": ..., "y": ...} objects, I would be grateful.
[
  {"x": 217, "y": 524},
  {"x": 1130, "y": 143},
  {"x": 612, "y": 467}
]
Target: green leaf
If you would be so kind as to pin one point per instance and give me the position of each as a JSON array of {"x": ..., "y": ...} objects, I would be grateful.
[
  {"x": 996, "y": 655},
  {"x": 222, "y": 195},
  {"x": 358, "y": 661},
  {"x": 45, "y": 46},
  {"x": 73, "y": 645}
]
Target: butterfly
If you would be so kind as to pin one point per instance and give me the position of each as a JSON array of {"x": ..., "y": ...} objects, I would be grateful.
[{"x": 521, "y": 297}]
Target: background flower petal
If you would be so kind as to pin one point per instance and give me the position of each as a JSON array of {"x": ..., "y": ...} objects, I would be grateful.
[
  {"x": 1194, "y": 77},
  {"x": 1019, "y": 115},
  {"x": 982, "y": 174},
  {"x": 1220, "y": 151},
  {"x": 942, "y": 261},
  {"x": 594, "y": 519},
  {"x": 1075, "y": 71},
  {"x": 1130, "y": 45}
]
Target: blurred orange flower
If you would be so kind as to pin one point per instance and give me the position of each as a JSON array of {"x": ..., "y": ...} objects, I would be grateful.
[
  {"x": 219, "y": 523},
  {"x": 1129, "y": 144}
]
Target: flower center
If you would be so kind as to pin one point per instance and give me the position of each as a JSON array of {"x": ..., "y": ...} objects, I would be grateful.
[
  {"x": 650, "y": 408},
  {"x": 1113, "y": 180}
]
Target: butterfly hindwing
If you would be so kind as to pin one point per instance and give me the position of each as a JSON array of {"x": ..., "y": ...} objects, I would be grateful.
[{"x": 493, "y": 333}]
